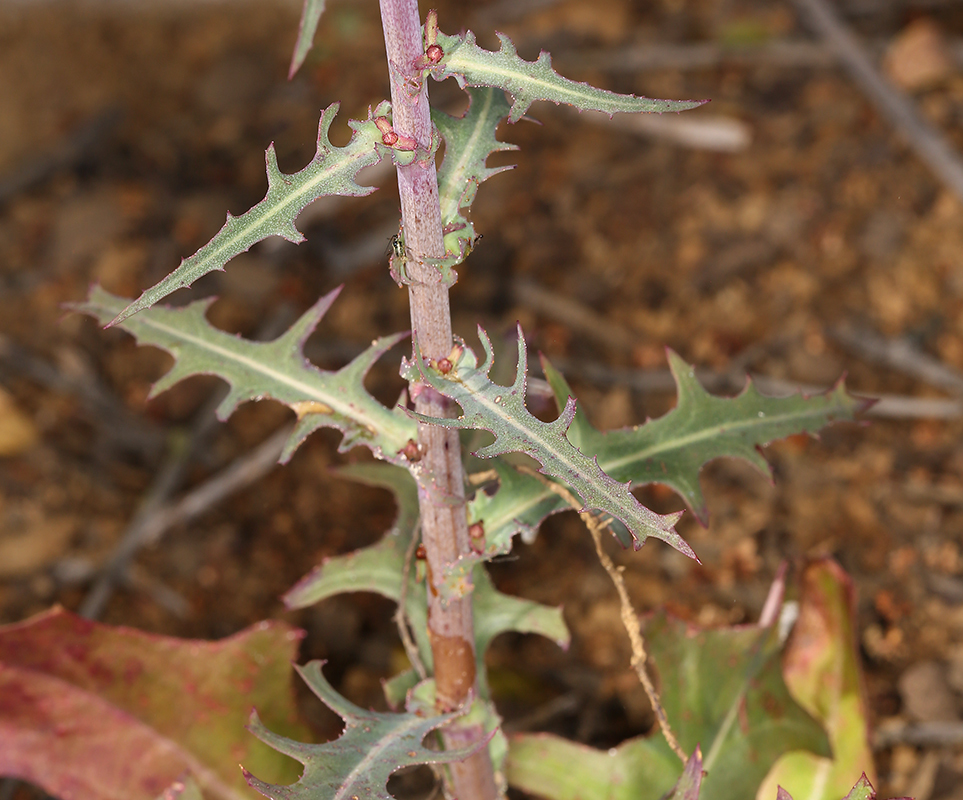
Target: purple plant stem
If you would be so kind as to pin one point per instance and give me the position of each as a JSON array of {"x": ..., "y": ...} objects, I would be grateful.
[{"x": 444, "y": 525}]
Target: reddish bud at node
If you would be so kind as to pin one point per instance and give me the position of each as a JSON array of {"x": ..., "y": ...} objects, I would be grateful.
[
  {"x": 477, "y": 530},
  {"x": 411, "y": 451},
  {"x": 444, "y": 366},
  {"x": 434, "y": 54},
  {"x": 389, "y": 138},
  {"x": 420, "y": 553}
]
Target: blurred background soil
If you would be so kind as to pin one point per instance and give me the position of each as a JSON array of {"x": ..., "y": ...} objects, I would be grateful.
[{"x": 795, "y": 236}]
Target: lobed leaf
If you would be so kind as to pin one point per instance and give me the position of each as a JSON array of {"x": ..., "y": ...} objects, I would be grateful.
[
  {"x": 670, "y": 450},
  {"x": 528, "y": 81},
  {"x": 469, "y": 140},
  {"x": 91, "y": 712},
  {"x": 276, "y": 369},
  {"x": 673, "y": 448},
  {"x": 357, "y": 764},
  {"x": 742, "y": 717},
  {"x": 332, "y": 171},
  {"x": 501, "y": 411},
  {"x": 380, "y": 567}
]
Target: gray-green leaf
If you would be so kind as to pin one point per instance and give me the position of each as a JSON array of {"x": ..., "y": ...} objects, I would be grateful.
[
  {"x": 379, "y": 568},
  {"x": 359, "y": 762},
  {"x": 469, "y": 140},
  {"x": 670, "y": 450},
  {"x": 501, "y": 411},
  {"x": 528, "y": 81},
  {"x": 276, "y": 369},
  {"x": 310, "y": 16},
  {"x": 332, "y": 171}
]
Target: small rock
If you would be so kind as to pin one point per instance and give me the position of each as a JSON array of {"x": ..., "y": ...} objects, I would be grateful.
[
  {"x": 919, "y": 57},
  {"x": 17, "y": 431}
]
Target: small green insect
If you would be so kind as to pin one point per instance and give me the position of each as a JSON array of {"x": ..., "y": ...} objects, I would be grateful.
[
  {"x": 396, "y": 246},
  {"x": 397, "y": 259}
]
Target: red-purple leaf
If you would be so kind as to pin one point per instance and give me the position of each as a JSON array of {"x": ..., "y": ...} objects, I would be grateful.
[{"x": 100, "y": 713}]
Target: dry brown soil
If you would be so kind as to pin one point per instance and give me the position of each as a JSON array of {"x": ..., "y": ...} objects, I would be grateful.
[{"x": 144, "y": 126}]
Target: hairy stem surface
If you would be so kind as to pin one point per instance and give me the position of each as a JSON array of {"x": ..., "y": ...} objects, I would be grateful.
[{"x": 441, "y": 491}]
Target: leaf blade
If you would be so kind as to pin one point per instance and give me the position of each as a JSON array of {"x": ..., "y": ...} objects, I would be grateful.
[
  {"x": 359, "y": 762},
  {"x": 87, "y": 710},
  {"x": 469, "y": 140},
  {"x": 742, "y": 717},
  {"x": 276, "y": 369},
  {"x": 821, "y": 667},
  {"x": 501, "y": 411},
  {"x": 528, "y": 81},
  {"x": 332, "y": 171},
  {"x": 308, "y": 26}
]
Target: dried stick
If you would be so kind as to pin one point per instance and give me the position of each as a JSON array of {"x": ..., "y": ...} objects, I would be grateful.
[
  {"x": 887, "y": 406},
  {"x": 921, "y": 734},
  {"x": 630, "y": 620},
  {"x": 156, "y": 515},
  {"x": 72, "y": 149},
  {"x": 899, "y": 354},
  {"x": 928, "y": 143}
]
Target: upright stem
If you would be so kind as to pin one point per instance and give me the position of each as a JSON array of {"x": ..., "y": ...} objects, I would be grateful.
[{"x": 441, "y": 493}]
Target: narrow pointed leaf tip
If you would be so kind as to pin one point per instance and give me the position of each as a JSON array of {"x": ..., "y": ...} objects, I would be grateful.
[
  {"x": 332, "y": 171},
  {"x": 672, "y": 449},
  {"x": 528, "y": 81},
  {"x": 310, "y": 16},
  {"x": 277, "y": 369},
  {"x": 501, "y": 411},
  {"x": 863, "y": 790},
  {"x": 357, "y": 765},
  {"x": 690, "y": 782}
]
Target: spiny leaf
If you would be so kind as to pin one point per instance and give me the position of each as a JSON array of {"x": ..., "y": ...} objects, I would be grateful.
[
  {"x": 310, "y": 16},
  {"x": 673, "y": 448},
  {"x": 743, "y": 717},
  {"x": 528, "y": 81},
  {"x": 690, "y": 782},
  {"x": 518, "y": 505},
  {"x": 93, "y": 712},
  {"x": 670, "y": 450},
  {"x": 863, "y": 790},
  {"x": 357, "y": 765},
  {"x": 276, "y": 369},
  {"x": 469, "y": 140},
  {"x": 501, "y": 411},
  {"x": 332, "y": 171},
  {"x": 379, "y": 568}
]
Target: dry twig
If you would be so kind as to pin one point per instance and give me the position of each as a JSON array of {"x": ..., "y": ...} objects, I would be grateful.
[
  {"x": 630, "y": 620},
  {"x": 899, "y": 354},
  {"x": 928, "y": 143}
]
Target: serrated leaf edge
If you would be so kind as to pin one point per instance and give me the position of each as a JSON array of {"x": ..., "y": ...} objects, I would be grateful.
[
  {"x": 277, "y": 211},
  {"x": 528, "y": 81},
  {"x": 562, "y": 460}
]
